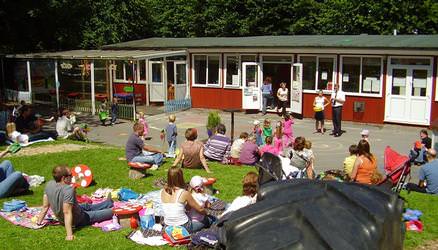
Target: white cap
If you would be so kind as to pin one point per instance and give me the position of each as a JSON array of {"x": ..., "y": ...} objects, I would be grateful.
[
  {"x": 365, "y": 132},
  {"x": 196, "y": 181},
  {"x": 256, "y": 122}
]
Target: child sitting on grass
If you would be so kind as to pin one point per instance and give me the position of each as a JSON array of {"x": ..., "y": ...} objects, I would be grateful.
[
  {"x": 171, "y": 133},
  {"x": 268, "y": 147},
  {"x": 349, "y": 161},
  {"x": 199, "y": 221},
  {"x": 249, "y": 193},
  {"x": 236, "y": 148}
]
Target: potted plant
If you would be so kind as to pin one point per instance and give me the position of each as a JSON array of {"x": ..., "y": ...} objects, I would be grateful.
[{"x": 212, "y": 121}]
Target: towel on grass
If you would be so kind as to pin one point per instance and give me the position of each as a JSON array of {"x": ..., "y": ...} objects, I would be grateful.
[{"x": 27, "y": 217}]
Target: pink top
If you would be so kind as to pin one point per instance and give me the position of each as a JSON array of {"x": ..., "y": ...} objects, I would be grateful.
[
  {"x": 145, "y": 125},
  {"x": 278, "y": 145},
  {"x": 268, "y": 148},
  {"x": 287, "y": 127}
]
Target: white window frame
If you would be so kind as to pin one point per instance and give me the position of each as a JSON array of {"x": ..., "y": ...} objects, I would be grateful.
[
  {"x": 341, "y": 73},
  {"x": 239, "y": 72},
  {"x": 207, "y": 85},
  {"x": 334, "y": 74}
]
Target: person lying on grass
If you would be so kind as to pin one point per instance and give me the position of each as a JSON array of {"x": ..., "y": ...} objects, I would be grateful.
[
  {"x": 250, "y": 187},
  {"x": 61, "y": 197}
]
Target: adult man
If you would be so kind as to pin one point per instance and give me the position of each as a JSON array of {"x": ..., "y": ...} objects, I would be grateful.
[
  {"x": 60, "y": 196},
  {"x": 337, "y": 101},
  {"x": 28, "y": 123},
  {"x": 425, "y": 139},
  {"x": 428, "y": 174},
  {"x": 137, "y": 151}
]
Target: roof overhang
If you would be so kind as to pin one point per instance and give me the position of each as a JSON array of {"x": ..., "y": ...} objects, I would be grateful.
[{"x": 101, "y": 54}]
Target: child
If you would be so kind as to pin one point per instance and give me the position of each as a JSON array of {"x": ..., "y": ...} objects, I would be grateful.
[
  {"x": 349, "y": 161},
  {"x": 257, "y": 131},
  {"x": 249, "y": 194},
  {"x": 278, "y": 140},
  {"x": 268, "y": 147},
  {"x": 288, "y": 135},
  {"x": 311, "y": 157},
  {"x": 236, "y": 148},
  {"x": 199, "y": 221},
  {"x": 365, "y": 134},
  {"x": 142, "y": 120},
  {"x": 267, "y": 128},
  {"x": 114, "y": 111},
  {"x": 250, "y": 154},
  {"x": 103, "y": 112},
  {"x": 171, "y": 133}
]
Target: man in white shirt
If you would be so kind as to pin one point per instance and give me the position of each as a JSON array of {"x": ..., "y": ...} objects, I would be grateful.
[{"x": 337, "y": 100}]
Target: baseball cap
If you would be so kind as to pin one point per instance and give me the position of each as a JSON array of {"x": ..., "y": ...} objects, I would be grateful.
[
  {"x": 196, "y": 181},
  {"x": 256, "y": 122},
  {"x": 365, "y": 132}
]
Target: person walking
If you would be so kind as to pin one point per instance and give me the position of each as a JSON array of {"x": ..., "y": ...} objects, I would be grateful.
[
  {"x": 282, "y": 94},
  {"x": 267, "y": 93},
  {"x": 337, "y": 101}
]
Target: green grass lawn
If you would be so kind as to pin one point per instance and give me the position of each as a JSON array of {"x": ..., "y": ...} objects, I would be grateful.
[{"x": 110, "y": 172}]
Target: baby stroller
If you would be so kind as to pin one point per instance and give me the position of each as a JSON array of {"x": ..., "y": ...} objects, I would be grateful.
[
  {"x": 270, "y": 169},
  {"x": 397, "y": 168}
]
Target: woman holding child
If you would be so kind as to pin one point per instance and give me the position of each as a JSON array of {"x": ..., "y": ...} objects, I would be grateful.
[
  {"x": 365, "y": 165},
  {"x": 175, "y": 198}
]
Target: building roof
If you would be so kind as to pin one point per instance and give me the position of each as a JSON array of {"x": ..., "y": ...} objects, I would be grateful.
[
  {"x": 100, "y": 54},
  {"x": 422, "y": 42}
]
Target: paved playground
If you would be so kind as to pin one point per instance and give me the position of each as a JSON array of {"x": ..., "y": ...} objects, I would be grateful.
[{"x": 330, "y": 151}]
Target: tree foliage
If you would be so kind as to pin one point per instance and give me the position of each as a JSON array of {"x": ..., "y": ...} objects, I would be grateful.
[{"x": 29, "y": 26}]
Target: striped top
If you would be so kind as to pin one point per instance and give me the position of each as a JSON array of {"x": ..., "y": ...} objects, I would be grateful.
[{"x": 218, "y": 148}]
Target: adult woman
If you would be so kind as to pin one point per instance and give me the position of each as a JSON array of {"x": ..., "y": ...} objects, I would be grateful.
[
  {"x": 174, "y": 199},
  {"x": 191, "y": 153},
  {"x": 282, "y": 94},
  {"x": 266, "y": 93},
  {"x": 365, "y": 165},
  {"x": 301, "y": 158},
  {"x": 319, "y": 104}
]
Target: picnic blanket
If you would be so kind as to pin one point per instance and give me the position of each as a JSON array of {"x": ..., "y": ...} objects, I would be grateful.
[{"x": 27, "y": 217}]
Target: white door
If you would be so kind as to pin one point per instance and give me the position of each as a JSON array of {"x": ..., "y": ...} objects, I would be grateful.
[
  {"x": 251, "y": 93},
  {"x": 408, "y": 95},
  {"x": 156, "y": 82},
  {"x": 180, "y": 80},
  {"x": 296, "y": 96}
]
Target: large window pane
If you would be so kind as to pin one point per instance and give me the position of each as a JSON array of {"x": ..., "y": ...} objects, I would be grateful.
[
  {"x": 410, "y": 61},
  {"x": 129, "y": 70},
  {"x": 156, "y": 72},
  {"x": 213, "y": 69},
  {"x": 371, "y": 70},
  {"x": 181, "y": 73},
  {"x": 419, "y": 82},
  {"x": 119, "y": 70},
  {"x": 200, "y": 66},
  {"x": 309, "y": 71},
  {"x": 232, "y": 70},
  {"x": 325, "y": 73},
  {"x": 350, "y": 74},
  {"x": 142, "y": 68},
  {"x": 398, "y": 82}
]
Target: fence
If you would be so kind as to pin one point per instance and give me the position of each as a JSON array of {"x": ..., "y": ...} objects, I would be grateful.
[
  {"x": 125, "y": 111},
  {"x": 177, "y": 105}
]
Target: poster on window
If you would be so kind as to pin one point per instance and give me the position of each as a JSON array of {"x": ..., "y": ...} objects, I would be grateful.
[
  {"x": 367, "y": 85},
  {"x": 346, "y": 78},
  {"x": 324, "y": 75},
  {"x": 235, "y": 80},
  {"x": 399, "y": 82},
  {"x": 247, "y": 91},
  {"x": 375, "y": 85},
  {"x": 420, "y": 83}
]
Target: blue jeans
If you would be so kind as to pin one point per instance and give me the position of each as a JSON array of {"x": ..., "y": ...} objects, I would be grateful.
[
  {"x": 96, "y": 213},
  {"x": 198, "y": 225},
  {"x": 172, "y": 147},
  {"x": 113, "y": 117},
  {"x": 10, "y": 180},
  {"x": 266, "y": 98},
  {"x": 42, "y": 135},
  {"x": 152, "y": 158}
]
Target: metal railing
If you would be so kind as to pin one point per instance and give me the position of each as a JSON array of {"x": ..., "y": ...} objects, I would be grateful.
[{"x": 177, "y": 105}]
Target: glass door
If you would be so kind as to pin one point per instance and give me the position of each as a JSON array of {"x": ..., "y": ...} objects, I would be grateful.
[
  {"x": 156, "y": 84},
  {"x": 251, "y": 94},
  {"x": 297, "y": 89},
  {"x": 180, "y": 80}
]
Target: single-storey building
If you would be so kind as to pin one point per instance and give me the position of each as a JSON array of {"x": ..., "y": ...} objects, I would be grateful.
[{"x": 387, "y": 79}]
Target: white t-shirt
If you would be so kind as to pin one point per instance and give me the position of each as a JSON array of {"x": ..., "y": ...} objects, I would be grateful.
[
  {"x": 236, "y": 148},
  {"x": 240, "y": 202},
  {"x": 319, "y": 102},
  {"x": 282, "y": 94},
  {"x": 63, "y": 126},
  {"x": 340, "y": 95},
  {"x": 201, "y": 199}
]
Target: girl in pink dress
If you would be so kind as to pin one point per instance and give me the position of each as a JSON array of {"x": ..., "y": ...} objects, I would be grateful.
[
  {"x": 268, "y": 147},
  {"x": 278, "y": 140},
  {"x": 288, "y": 134},
  {"x": 142, "y": 120}
]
